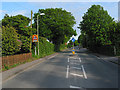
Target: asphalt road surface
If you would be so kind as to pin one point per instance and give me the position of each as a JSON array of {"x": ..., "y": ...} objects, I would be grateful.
[{"x": 65, "y": 70}]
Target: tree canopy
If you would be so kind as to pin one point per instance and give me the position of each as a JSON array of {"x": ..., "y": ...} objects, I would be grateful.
[
  {"x": 56, "y": 25},
  {"x": 21, "y": 24},
  {"x": 95, "y": 26}
]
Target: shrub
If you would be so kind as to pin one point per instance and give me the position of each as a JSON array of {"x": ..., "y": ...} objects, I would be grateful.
[
  {"x": 10, "y": 43},
  {"x": 45, "y": 48}
]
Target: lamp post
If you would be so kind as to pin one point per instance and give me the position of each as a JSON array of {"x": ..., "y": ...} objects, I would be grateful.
[{"x": 38, "y": 30}]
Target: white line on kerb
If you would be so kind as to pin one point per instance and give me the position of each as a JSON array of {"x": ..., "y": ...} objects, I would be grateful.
[
  {"x": 51, "y": 57},
  {"x": 84, "y": 72},
  {"x": 68, "y": 59},
  {"x": 76, "y": 74},
  {"x": 74, "y": 86},
  {"x": 67, "y": 71},
  {"x": 79, "y": 59}
]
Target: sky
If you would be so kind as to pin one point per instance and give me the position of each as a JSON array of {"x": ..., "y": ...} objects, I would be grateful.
[{"x": 77, "y": 8}]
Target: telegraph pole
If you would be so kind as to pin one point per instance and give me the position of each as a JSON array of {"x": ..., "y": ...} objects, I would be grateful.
[
  {"x": 31, "y": 32},
  {"x": 38, "y": 34}
]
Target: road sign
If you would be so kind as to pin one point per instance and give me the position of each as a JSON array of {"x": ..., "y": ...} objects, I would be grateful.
[
  {"x": 35, "y": 38},
  {"x": 73, "y": 40}
]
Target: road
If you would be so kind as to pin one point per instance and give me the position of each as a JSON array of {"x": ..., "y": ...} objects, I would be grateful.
[{"x": 82, "y": 70}]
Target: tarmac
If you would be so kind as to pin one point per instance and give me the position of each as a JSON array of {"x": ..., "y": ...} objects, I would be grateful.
[{"x": 16, "y": 70}]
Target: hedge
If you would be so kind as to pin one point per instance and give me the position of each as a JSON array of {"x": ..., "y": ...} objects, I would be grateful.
[{"x": 45, "y": 48}]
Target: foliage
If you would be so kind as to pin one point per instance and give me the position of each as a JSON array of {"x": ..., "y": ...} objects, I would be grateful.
[
  {"x": 26, "y": 38},
  {"x": 20, "y": 23},
  {"x": 15, "y": 21},
  {"x": 56, "y": 25},
  {"x": 95, "y": 27},
  {"x": 70, "y": 44},
  {"x": 45, "y": 48},
  {"x": 10, "y": 43},
  {"x": 76, "y": 43},
  {"x": 0, "y": 41}
]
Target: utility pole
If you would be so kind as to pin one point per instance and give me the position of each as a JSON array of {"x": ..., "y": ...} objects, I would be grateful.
[
  {"x": 38, "y": 34},
  {"x": 31, "y": 32}
]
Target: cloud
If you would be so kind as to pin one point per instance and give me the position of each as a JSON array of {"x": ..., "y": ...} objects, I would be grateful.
[
  {"x": 22, "y": 12},
  {"x": 2, "y": 11}
]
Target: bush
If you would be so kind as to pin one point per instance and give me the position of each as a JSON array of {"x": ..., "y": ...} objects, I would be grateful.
[
  {"x": 45, "y": 48},
  {"x": 10, "y": 43}
]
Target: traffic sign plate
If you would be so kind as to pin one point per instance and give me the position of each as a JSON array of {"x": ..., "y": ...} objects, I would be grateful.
[
  {"x": 73, "y": 40},
  {"x": 35, "y": 38}
]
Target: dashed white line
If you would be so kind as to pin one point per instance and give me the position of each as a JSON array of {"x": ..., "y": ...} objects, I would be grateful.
[
  {"x": 74, "y": 74},
  {"x": 84, "y": 72},
  {"x": 68, "y": 60},
  {"x": 74, "y": 86},
  {"x": 79, "y": 59},
  {"x": 75, "y": 67},
  {"x": 67, "y": 71},
  {"x": 75, "y": 63}
]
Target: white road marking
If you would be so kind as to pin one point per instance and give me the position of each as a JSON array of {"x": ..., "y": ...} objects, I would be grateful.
[
  {"x": 84, "y": 72},
  {"x": 79, "y": 59},
  {"x": 98, "y": 57},
  {"x": 68, "y": 60},
  {"x": 74, "y": 86},
  {"x": 75, "y": 63},
  {"x": 72, "y": 57},
  {"x": 67, "y": 71},
  {"x": 74, "y": 74},
  {"x": 76, "y": 67},
  {"x": 51, "y": 57}
]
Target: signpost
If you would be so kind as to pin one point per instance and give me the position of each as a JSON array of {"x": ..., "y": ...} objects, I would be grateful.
[
  {"x": 35, "y": 39},
  {"x": 73, "y": 40}
]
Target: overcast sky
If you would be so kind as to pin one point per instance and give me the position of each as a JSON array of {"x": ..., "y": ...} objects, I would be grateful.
[{"x": 77, "y": 8}]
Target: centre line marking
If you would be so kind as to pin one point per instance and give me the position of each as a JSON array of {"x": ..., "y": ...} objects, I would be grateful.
[
  {"x": 74, "y": 86},
  {"x": 84, "y": 72},
  {"x": 79, "y": 59},
  {"x": 74, "y": 74},
  {"x": 75, "y": 63},
  {"x": 76, "y": 67},
  {"x": 67, "y": 71},
  {"x": 68, "y": 59}
]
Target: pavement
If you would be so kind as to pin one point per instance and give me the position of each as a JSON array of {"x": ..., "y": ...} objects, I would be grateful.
[
  {"x": 65, "y": 70},
  {"x": 16, "y": 70},
  {"x": 113, "y": 59}
]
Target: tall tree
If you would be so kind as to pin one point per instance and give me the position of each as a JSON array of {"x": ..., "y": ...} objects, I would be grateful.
[
  {"x": 55, "y": 25},
  {"x": 95, "y": 26}
]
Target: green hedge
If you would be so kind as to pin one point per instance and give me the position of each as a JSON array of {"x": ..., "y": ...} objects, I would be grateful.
[{"x": 45, "y": 48}]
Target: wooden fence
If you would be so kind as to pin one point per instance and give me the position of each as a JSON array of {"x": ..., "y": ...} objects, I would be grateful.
[{"x": 15, "y": 59}]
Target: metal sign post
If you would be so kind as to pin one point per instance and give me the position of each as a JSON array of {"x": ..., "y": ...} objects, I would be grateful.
[
  {"x": 35, "y": 39},
  {"x": 73, "y": 40}
]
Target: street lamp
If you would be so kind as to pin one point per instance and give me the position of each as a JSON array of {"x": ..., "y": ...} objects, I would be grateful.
[{"x": 38, "y": 30}]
